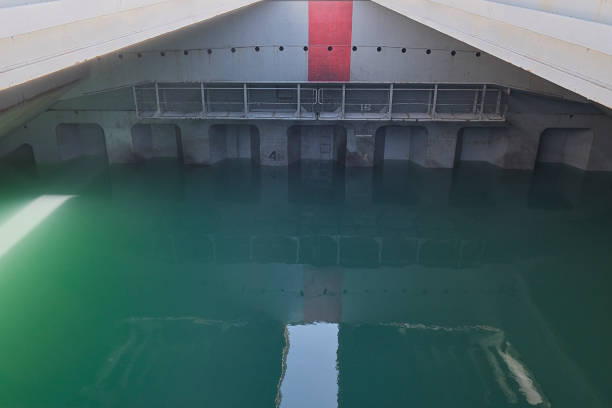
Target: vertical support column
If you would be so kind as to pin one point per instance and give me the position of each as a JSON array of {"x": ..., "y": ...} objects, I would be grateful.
[
  {"x": 360, "y": 146},
  {"x": 118, "y": 137},
  {"x": 195, "y": 136},
  {"x": 441, "y": 145},
  {"x": 119, "y": 144},
  {"x": 203, "y": 98},
  {"x": 299, "y": 101},
  {"x": 390, "y": 101},
  {"x": 507, "y": 91},
  {"x": 482, "y": 101},
  {"x": 435, "y": 100},
  {"x": 135, "y": 101},
  {"x": 498, "y": 103},
  {"x": 600, "y": 158},
  {"x": 522, "y": 139},
  {"x": 343, "y": 100},
  {"x": 273, "y": 149},
  {"x": 157, "y": 99},
  {"x": 245, "y": 99}
]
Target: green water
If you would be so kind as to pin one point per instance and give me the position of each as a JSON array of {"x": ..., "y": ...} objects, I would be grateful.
[{"x": 158, "y": 285}]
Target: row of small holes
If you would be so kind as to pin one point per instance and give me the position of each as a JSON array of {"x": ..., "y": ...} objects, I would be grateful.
[{"x": 281, "y": 48}]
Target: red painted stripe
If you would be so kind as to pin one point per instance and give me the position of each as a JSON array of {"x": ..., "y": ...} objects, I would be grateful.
[{"x": 330, "y": 23}]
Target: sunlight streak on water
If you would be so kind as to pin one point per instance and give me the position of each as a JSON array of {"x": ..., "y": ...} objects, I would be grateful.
[{"x": 28, "y": 218}]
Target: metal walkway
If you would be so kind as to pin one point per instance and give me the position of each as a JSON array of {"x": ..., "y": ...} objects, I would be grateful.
[{"x": 308, "y": 101}]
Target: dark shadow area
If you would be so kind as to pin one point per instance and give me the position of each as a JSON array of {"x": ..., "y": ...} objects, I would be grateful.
[
  {"x": 18, "y": 172},
  {"x": 571, "y": 147},
  {"x": 555, "y": 187},
  {"x": 21, "y": 160},
  {"x": 76, "y": 140},
  {"x": 525, "y": 102},
  {"x": 151, "y": 180},
  {"x": 236, "y": 180},
  {"x": 316, "y": 181},
  {"x": 474, "y": 185},
  {"x": 320, "y": 143},
  {"x": 316, "y": 156},
  {"x": 397, "y": 182}
]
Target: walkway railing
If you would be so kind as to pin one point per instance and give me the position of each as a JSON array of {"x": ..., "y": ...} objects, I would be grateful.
[{"x": 389, "y": 102}]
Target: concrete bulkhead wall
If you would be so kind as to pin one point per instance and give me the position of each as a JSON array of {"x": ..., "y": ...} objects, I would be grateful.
[
  {"x": 485, "y": 144},
  {"x": 511, "y": 145},
  {"x": 566, "y": 146},
  {"x": 591, "y": 140},
  {"x": 430, "y": 145},
  {"x": 388, "y": 48},
  {"x": 522, "y": 145},
  {"x": 76, "y": 140},
  {"x": 20, "y": 159},
  {"x": 268, "y": 43},
  {"x": 22, "y": 103},
  {"x": 312, "y": 142},
  {"x": 407, "y": 143},
  {"x": 150, "y": 141},
  {"x": 233, "y": 141}
]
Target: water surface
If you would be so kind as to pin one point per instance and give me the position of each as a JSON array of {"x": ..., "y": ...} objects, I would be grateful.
[{"x": 158, "y": 285}]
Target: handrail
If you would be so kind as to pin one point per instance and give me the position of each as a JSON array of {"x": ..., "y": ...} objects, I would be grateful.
[{"x": 316, "y": 101}]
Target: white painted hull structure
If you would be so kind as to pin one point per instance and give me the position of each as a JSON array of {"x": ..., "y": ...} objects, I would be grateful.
[{"x": 435, "y": 82}]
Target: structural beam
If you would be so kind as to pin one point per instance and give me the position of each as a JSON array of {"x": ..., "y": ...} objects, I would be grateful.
[
  {"x": 563, "y": 41},
  {"x": 41, "y": 38}
]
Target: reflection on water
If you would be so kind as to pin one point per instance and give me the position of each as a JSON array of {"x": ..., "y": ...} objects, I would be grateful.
[
  {"x": 20, "y": 224},
  {"x": 310, "y": 353},
  {"x": 163, "y": 285},
  {"x": 434, "y": 366}
]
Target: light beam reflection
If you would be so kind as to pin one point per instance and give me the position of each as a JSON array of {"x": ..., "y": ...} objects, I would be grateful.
[{"x": 26, "y": 219}]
